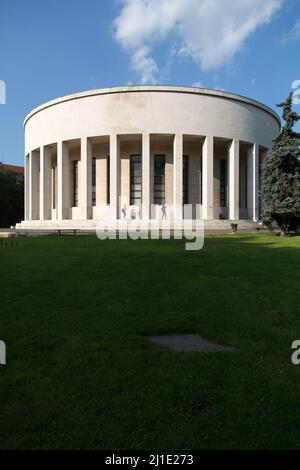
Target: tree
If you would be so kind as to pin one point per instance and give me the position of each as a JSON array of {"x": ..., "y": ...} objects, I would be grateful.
[
  {"x": 11, "y": 198},
  {"x": 281, "y": 176}
]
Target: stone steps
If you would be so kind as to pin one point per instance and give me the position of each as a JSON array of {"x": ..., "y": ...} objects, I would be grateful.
[{"x": 92, "y": 225}]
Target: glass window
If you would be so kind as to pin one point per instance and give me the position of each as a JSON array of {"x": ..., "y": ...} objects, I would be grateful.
[
  {"x": 108, "y": 179},
  {"x": 246, "y": 186},
  {"x": 185, "y": 176},
  {"x": 260, "y": 171},
  {"x": 201, "y": 180},
  {"x": 223, "y": 183},
  {"x": 75, "y": 182},
  {"x": 54, "y": 187},
  {"x": 159, "y": 179},
  {"x": 94, "y": 182},
  {"x": 135, "y": 180}
]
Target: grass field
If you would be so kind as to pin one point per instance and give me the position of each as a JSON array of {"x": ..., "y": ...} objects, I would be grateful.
[{"x": 80, "y": 373}]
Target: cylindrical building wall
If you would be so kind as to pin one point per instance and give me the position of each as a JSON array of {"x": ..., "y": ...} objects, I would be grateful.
[{"x": 144, "y": 152}]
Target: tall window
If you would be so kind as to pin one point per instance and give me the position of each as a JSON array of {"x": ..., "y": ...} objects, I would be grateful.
[
  {"x": 243, "y": 184},
  {"x": 260, "y": 205},
  {"x": 75, "y": 182},
  {"x": 94, "y": 182},
  {"x": 246, "y": 186},
  {"x": 185, "y": 180},
  {"x": 223, "y": 183},
  {"x": 159, "y": 179},
  {"x": 201, "y": 179},
  {"x": 54, "y": 187},
  {"x": 108, "y": 180},
  {"x": 135, "y": 180}
]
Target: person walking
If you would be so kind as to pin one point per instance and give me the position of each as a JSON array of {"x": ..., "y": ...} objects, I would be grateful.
[
  {"x": 124, "y": 210},
  {"x": 164, "y": 211}
]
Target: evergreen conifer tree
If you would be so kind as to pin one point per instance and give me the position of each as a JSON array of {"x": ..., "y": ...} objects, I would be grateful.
[{"x": 281, "y": 176}]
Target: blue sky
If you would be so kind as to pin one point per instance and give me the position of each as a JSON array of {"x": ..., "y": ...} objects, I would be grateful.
[{"x": 49, "y": 49}]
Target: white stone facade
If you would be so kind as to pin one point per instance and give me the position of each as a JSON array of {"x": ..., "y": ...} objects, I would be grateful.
[{"x": 92, "y": 154}]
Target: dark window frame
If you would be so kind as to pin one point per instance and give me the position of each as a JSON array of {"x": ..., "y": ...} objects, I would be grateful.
[
  {"x": 223, "y": 182},
  {"x": 94, "y": 195},
  {"x": 108, "y": 179},
  {"x": 159, "y": 192},
  {"x": 135, "y": 179},
  {"x": 54, "y": 187},
  {"x": 74, "y": 183},
  {"x": 185, "y": 179}
]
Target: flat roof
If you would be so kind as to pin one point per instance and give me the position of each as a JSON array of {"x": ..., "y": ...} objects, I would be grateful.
[
  {"x": 15, "y": 168},
  {"x": 155, "y": 88}
]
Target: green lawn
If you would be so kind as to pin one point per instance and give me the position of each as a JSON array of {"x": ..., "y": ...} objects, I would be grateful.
[{"x": 80, "y": 373}]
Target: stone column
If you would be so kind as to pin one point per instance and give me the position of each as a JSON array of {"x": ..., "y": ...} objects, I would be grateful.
[
  {"x": 85, "y": 179},
  {"x": 114, "y": 175},
  {"x": 63, "y": 181},
  {"x": 26, "y": 188},
  {"x": 234, "y": 183},
  {"x": 146, "y": 176},
  {"x": 45, "y": 183},
  {"x": 208, "y": 178},
  {"x": 262, "y": 155},
  {"x": 34, "y": 186},
  {"x": 54, "y": 192},
  {"x": 253, "y": 182},
  {"x": 178, "y": 175}
]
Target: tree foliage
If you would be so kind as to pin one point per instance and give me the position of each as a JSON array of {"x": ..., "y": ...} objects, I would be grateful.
[
  {"x": 11, "y": 198},
  {"x": 281, "y": 176}
]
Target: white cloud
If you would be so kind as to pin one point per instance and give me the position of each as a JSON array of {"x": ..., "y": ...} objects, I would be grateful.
[
  {"x": 144, "y": 64},
  {"x": 198, "y": 85},
  {"x": 293, "y": 35},
  {"x": 211, "y": 32}
]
